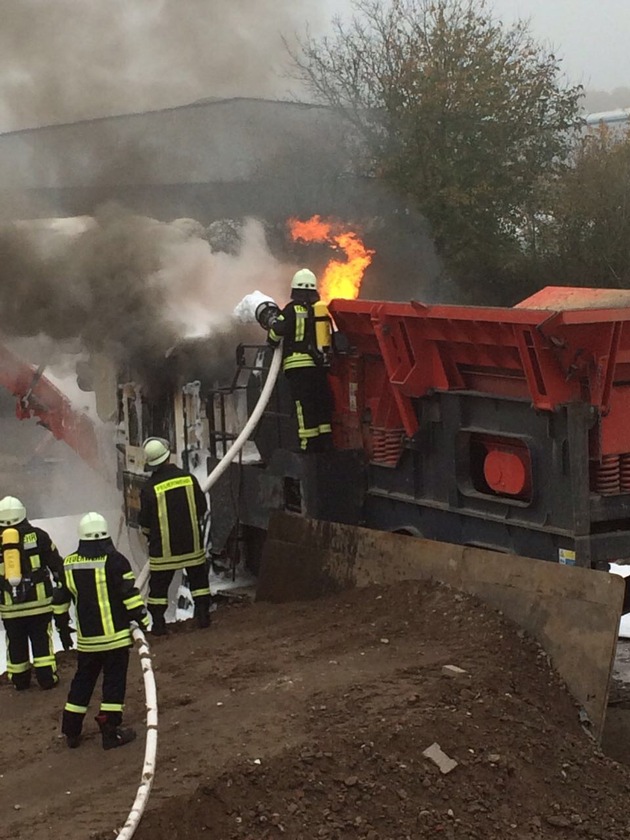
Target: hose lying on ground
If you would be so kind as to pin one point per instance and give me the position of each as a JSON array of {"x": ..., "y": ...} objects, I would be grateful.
[
  {"x": 150, "y": 750},
  {"x": 148, "y": 769},
  {"x": 238, "y": 444}
]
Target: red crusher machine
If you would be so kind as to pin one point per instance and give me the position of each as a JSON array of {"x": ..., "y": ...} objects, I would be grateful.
[
  {"x": 502, "y": 428},
  {"x": 38, "y": 397}
]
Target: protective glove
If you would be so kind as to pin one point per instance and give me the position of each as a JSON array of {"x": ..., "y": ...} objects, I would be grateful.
[
  {"x": 142, "y": 623},
  {"x": 62, "y": 623},
  {"x": 65, "y": 634}
]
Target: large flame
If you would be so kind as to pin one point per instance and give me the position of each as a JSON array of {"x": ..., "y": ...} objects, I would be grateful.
[{"x": 341, "y": 279}]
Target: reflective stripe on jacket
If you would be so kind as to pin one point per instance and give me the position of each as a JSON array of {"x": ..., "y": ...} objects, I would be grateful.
[
  {"x": 172, "y": 508},
  {"x": 296, "y": 326},
  {"x": 101, "y": 583}
]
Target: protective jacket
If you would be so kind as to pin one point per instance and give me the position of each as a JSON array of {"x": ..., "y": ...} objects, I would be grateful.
[
  {"x": 172, "y": 508},
  {"x": 102, "y": 585},
  {"x": 296, "y": 325},
  {"x": 41, "y": 567}
]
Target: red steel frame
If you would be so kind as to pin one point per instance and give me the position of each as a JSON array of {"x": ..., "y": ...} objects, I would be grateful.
[
  {"x": 549, "y": 357},
  {"x": 38, "y": 397}
]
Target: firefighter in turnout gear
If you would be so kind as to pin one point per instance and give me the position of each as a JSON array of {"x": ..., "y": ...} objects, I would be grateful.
[
  {"x": 304, "y": 326},
  {"x": 172, "y": 510},
  {"x": 99, "y": 580},
  {"x": 30, "y": 593}
]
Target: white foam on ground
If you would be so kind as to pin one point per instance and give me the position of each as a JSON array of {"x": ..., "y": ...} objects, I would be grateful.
[{"x": 624, "y": 626}]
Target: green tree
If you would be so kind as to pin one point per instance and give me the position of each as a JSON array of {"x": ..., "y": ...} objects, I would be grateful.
[
  {"x": 586, "y": 236},
  {"x": 463, "y": 115}
]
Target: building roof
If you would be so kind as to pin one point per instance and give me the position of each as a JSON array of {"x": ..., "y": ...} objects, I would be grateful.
[
  {"x": 620, "y": 115},
  {"x": 222, "y": 140}
]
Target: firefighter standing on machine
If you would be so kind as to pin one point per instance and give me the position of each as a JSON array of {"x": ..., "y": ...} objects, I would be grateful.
[
  {"x": 102, "y": 585},
  {"x": 172, "y": 510},
  {"x": 30, "y": 573},
  {"x": 304, "y": 326}
]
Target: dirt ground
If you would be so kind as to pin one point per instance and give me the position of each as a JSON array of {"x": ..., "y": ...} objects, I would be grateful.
[{"x": 310, "y": 720}]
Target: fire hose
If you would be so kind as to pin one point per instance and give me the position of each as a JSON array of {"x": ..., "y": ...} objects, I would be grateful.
[
  {"x": 148, "y": 770},
  {"x": 150, "y": 750},
  {"x": 251, "y": 424}
]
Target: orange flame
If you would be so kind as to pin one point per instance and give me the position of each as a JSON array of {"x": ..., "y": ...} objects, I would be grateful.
[{"x": 340, "y": 279}]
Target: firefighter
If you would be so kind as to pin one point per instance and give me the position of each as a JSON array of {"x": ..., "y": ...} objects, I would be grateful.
[
  {"x": 306, "y": 333},
  {"x": 172, "y": 511},
  {"x": 99, "y": 580},
  {"x": 30, "y": 581}
]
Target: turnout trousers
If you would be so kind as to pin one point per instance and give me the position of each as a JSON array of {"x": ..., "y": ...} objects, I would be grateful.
[
  {"x": 313, "y": 406},
  {"x": 114, "y": 665},
  {"x": 36, "y": 630},
  {"x": 160, "y": 580}
]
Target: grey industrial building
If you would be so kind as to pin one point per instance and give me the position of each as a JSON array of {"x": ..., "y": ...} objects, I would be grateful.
[{"x": 211, "y": 159}]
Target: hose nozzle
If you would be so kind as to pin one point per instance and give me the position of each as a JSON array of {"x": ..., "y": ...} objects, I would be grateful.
[{"x": 266, "y": 312}]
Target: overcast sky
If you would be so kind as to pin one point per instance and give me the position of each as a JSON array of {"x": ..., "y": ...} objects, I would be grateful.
[
  {"x": 65, "y": 60},
  {"x": 593, "y": 36}
]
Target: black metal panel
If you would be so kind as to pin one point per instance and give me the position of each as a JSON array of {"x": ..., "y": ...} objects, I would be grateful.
[
  {"x": 334, "y": 485},
  {"x": 327, "y": 485},
  {"x": 392, "y": 514},
  {"x": 438, "y": 466},
  {"x": 277, "y": 428},
  {"x": 132, "y": 485},
  {"x": 432, "y": 491},
  {"x": 607, "y": 509}
]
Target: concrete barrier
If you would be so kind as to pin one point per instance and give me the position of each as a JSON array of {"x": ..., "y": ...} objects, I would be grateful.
[{"x": 573, "y": 613}]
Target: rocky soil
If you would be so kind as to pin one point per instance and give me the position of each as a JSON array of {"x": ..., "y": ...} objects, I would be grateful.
[{"x": 311, "y": 720}]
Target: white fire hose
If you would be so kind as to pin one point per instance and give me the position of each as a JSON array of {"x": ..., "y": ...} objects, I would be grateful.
[
  {"x": 238, "y": 444},
  {"x": 251, "y": 424},
  {"x": 150, "y": 750},
  {"x": 148, "y": 770}
]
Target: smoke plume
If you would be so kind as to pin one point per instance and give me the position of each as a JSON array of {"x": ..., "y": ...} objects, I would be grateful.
[
  {"x": 66, "y": 60},
  {"x": 120, "y": 283},
  {"x": 130, "y": 287}
]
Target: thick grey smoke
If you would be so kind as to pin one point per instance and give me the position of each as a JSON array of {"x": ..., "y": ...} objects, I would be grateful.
[
  {"x": 128, "y": 286},
  {"x": 76, "y": 59},
  {"x": 121, "y": 283}
]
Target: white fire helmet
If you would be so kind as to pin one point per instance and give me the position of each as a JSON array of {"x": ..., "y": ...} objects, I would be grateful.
[
  {"x": 12, "y": 511},
  {"x": 93, "y": 526},
  {"x": 304, "y": 279},
  {"x": 156, "y": 451}
]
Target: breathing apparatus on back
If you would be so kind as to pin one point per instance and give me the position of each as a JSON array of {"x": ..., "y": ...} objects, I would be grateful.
[
  {"x": 304, "y": 283},
  {"x": 12, "y": 556},
  {"x": 12, "y": 513},
  {"x": 323, "y": 332},
  {"x": 13, "y": 569}
]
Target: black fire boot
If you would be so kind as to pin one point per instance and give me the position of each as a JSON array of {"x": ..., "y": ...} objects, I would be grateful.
[
  {"x": 48, "y": 682},
  {"x": 158, "y": 623},
  {"x": 202, "y": 611},
  {"x": 112, "y": 734},
  {"x": 21, "y": 681},
  {"x": 71, "y": 726}
]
